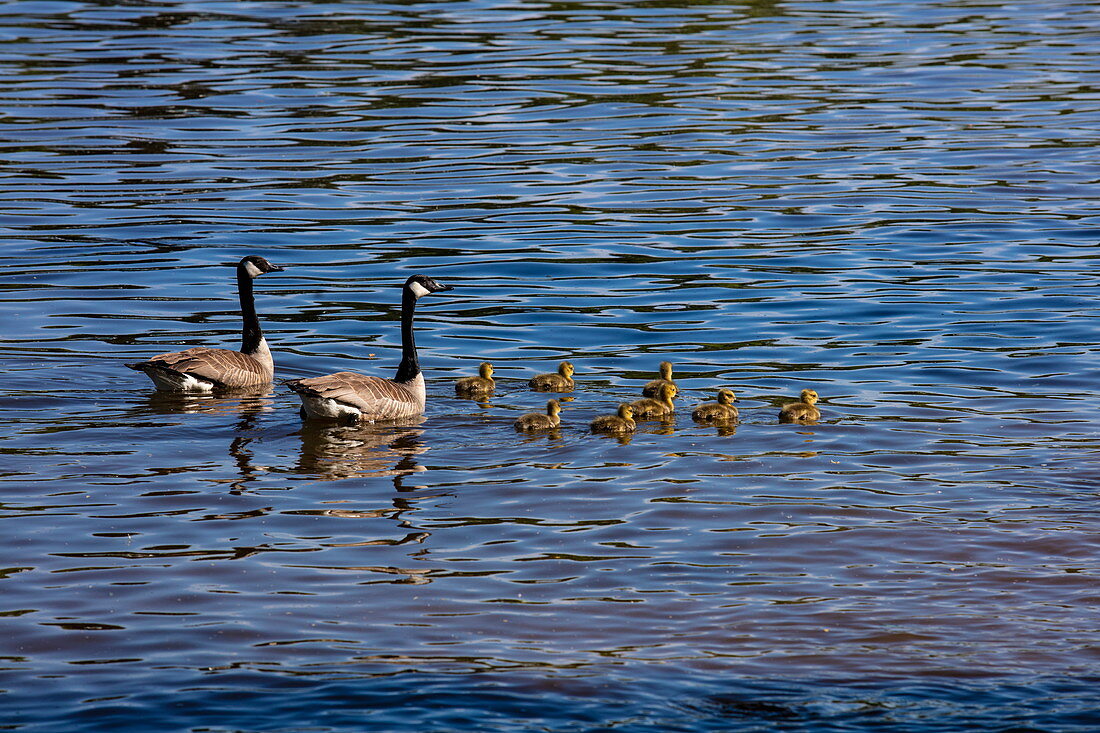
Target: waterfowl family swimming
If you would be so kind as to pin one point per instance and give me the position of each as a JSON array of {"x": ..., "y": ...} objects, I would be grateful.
[
  {"x": 656, "y": 407},
  {"x": 537, "y": 421},
  {"x": 357, "y": 397},
  {"x": 560, "y": 382},
  {"x": 653, "y": 387},
  {"x": 804, "y": 411},
  {"x": 717, "y": 412},
  {"x": 621, "y": 422},
  {"x": 482, "y": 384},
  {"x": 202, "y": 369}
]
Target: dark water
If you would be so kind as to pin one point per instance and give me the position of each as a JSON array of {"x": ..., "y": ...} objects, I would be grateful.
[{"x": 894, "y": 203}]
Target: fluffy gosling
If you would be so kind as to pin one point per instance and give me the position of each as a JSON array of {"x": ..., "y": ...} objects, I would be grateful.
[
  {"x": 721, "y": 411},
  {"x": 560, "y": 382},
  {"x": 622, "y": 422},
  {"x": 533, "y": 421},
  {"x": 482, "y": 384},
  {"x": 656, "y": 407},
  {"x": 653, "y": 387},
  {"x": 801, "y": 412}
]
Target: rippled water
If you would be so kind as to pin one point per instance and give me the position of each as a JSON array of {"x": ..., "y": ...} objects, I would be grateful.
[{"x": 891, "y": 202}]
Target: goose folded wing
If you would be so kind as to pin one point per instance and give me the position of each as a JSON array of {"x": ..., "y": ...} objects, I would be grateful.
[
  {"x": 371, "y": 395},
  {"x": 220, "y": 366}
]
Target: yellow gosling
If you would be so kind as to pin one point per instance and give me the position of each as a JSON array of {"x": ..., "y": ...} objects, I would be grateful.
[
  {"x": 656, "y": 407},
  {"x": 801, "y": 412},
  {"x": 480, "y": 385},
  {"x": 560, "y": 382},
  {"x": 721, "y": 411},
  {"x": 537, "y": 421},
  {"x": 653, "y": 387},
  {"x": 623, "y": 422}
]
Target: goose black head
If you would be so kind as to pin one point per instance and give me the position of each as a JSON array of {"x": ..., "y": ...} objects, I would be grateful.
[
  {"x": 421, "y": 285},
  {"x": 255, "y": 266}
]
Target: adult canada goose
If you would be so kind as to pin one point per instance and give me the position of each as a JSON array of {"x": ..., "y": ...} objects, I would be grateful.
[
  {"x": 801, "y": 412},
  {"x": 560, "y": 382},
  {"x": 358, "y": 397},
  {"x": 653, "y": 387},
  {"x": 622, "y": 422},
  {"x": 482, "y": 384},
  {"x": 660, "y": 406},
  {"x": 537, "y": 421},
  {"x": 720, "y": 411},
  {"x": 202, "y": 369}
]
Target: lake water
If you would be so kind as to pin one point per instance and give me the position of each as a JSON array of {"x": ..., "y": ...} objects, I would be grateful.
[{"x": 891, "y": 202}]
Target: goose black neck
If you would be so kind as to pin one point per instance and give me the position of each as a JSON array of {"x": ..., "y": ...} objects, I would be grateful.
[
  {"x": 410, "y": 365},
  {"x": 251, "y": 334}
]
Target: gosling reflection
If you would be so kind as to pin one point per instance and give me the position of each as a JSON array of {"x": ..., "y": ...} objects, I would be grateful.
[{"x": 334, "y": 452}]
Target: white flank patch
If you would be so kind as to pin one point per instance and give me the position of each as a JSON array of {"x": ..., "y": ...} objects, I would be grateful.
[
  {"x": 169, "y": 381},
  {"x": 326, "y": 408},
  {"x": 419, "y": 290}
]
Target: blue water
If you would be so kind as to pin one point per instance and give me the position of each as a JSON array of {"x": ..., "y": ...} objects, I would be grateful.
[{"x": 892, "y": 203}]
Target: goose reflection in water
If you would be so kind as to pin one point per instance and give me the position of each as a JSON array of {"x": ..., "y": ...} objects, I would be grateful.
[
  {"x": 247, "y": 405},
  {"x": 334, "y": 452}
]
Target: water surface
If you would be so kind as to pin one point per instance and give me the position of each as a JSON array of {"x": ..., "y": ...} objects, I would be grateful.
[{"x": 892, "y": 203}]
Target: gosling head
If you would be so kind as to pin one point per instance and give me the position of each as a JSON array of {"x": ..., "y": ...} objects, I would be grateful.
[
  {"x": 254, "y": 266},
  {"x": 668, "y": 391},
  {"x": 421, "y": 285},
  {"x": 565, "y": 369},
  {"x": 726, "y": 397},
  {"x": 626, "y": 411},
  {"x": 666, "y": 370},
  {"x": 553, "y": 408},
  {"x": 486, "y": 370},
  {"x": 808, "y": 396}
]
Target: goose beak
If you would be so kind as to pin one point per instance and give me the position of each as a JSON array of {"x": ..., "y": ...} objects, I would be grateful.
[
  {"x": 276, "y": 268},
  {"x": 444, "y": 287}
]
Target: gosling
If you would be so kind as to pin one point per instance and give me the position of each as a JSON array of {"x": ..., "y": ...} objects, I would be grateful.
[
  {"x": 560, "y": 382},
  {"x": 482, "y": 384},
  {"x": 801, "y": 412},
  {"x": 623, "y": 422},
  {"x": 653, "y": 387},
  {"x": 721, "y": 411},
  {"x": 533, "y": 421},
  {"x": 656, "y": 407}
]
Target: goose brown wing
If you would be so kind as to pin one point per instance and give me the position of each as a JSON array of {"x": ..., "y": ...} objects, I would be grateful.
[
  {"x": 221, "y": 366},
  {"x": 375, "y": 397}
]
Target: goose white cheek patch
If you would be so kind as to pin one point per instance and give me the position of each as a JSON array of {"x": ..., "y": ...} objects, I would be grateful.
[
  {"x": 419, "y": 290},
  {"x": 252, "y": 270}
]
